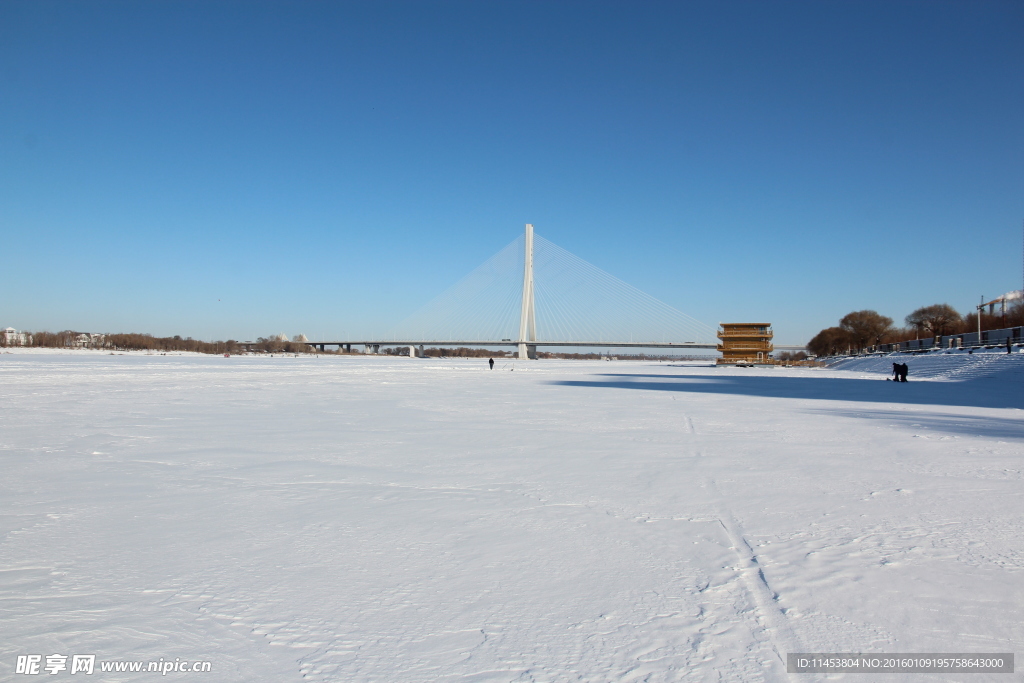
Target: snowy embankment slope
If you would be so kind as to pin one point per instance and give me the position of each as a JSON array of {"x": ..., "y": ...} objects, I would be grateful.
[
  {"x": 989, "y": 364},
  {"x": 375, "y": 519}
]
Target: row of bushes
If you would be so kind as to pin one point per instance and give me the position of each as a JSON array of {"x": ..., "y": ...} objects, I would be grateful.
[
  {"x": 860, "y": 330},
  {"x": 146, "y": 342}
]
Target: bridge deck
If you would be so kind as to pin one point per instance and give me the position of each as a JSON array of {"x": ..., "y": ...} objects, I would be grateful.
[{"x": 507, "y": 342}]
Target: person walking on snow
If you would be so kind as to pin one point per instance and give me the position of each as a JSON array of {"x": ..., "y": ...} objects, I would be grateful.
[{"x": 491, "y": 362}]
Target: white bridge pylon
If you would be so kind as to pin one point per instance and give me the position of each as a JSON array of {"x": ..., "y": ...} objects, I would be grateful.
[
  {"x": 561, "y": 300},
  {"x": 528, "y": 318}
]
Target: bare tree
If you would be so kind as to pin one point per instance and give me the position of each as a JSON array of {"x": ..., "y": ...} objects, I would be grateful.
[
  {"x": 866, "y": 327},
  {"x": 829, "y": 342},
  {"x": 1015, "y": 314},
  {"x": 937, "y": 319}
]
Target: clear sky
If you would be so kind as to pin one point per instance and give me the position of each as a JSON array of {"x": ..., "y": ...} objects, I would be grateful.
[{"x": 237, "y": 169}]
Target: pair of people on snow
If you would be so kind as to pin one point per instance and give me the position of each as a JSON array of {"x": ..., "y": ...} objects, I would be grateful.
[{"x": 899, "y": 372}]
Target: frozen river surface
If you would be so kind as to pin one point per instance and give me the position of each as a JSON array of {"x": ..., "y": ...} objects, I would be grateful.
[{"x": 375, "y": 519}]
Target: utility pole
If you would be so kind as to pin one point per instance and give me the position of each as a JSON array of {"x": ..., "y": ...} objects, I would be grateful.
[
  {"x": 981, "y": 307},
  {"x": 527, "y": 319}
]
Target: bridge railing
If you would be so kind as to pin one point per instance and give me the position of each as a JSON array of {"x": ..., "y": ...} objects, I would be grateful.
[{"x": 744, "y": 334}]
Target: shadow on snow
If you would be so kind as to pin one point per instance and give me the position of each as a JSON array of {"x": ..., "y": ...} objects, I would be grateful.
[
  {"x": 982, "y": 393},
  {"x": 925, "y": 422}
]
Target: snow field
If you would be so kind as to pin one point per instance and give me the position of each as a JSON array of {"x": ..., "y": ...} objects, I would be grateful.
[{"x": 376, "y": 519}]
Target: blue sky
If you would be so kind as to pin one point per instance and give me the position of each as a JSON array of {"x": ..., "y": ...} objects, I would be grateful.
[{"x": 234, "y": 169}]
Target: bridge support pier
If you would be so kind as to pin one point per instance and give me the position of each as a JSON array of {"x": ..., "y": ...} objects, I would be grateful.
[
  {"x": 527, "y": 351},
  {"x": 372, "y": 348}
]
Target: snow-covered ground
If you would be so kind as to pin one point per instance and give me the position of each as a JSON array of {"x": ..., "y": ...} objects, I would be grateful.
[{"x": 376, "y": 519}]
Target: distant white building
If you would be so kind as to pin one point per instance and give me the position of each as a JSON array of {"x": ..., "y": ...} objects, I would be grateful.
[
  {"x": 12, "y": 337},
  {"x": 90, "y": 339}
]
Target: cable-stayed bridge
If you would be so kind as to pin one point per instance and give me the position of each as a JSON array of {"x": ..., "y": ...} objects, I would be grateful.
[{"x": 535, "y": 294}]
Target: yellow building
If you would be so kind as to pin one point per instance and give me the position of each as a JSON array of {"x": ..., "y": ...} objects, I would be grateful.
[{"x": 745, "y": 343}]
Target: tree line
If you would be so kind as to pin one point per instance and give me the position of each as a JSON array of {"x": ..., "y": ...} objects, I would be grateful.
[
  {"x": 861, "y": 330},
  {"x": 433, "y": 352},
  {"x": 133, "y": 341}
]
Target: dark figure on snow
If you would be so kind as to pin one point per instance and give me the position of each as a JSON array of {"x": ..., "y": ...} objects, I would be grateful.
[
  {"x": 1009, "y": 345},
  {"x": 490, "y": 361},
  {"x": 895, "y": 372},
  {"x": 903, "y": 372}
]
